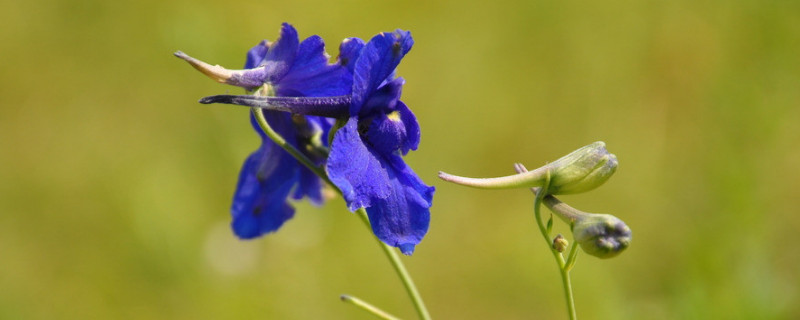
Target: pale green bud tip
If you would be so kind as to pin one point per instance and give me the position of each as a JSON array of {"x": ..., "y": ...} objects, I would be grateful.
[
  {"x": 602, "y": 235},
  {"x": 560, "y": 243},
  {"x": 582, "y": 170}
]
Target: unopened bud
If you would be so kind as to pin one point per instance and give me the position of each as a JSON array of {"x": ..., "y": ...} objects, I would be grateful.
[
  {"x": 601, "y": 235},
  {"x": 560, "y": 243},
  {"x": 580, "y": 171}
]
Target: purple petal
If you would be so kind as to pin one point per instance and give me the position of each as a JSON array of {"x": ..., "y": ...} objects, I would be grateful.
[
  {"x": 384, "y": 98},
  {"x": 310, "y": 75},
  {"x": 349, "y": 50},
  {"x": 402, "y": 219},
  {"x": 281, "y": 54},
  {"x": 256, "y": 55},
  {"x": 396, "y": 200},
  {"x": 355, "y": 169},
  {"x": 377, "y": 61},
  {"x": 309, "y": 186},
  {"x": 259, "y": 203},
  {"x": 386, "y": 133},
  {"x": 296, "y": 134},
  {"x": 412, "y": 127}
]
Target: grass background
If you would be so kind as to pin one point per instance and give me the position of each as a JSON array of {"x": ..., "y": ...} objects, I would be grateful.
[{"x": 115, "y": 183}]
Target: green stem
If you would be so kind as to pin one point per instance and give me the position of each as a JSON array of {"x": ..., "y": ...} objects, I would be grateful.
[
  {"x": 573, "y": 254},
  {"x": 391, "y": 254},
  {"x": 563, "y": 267},
  {"x": 394, "y": 258},
  {"x": 276, "y": 137},
  {"x": 368, "y": 307}
]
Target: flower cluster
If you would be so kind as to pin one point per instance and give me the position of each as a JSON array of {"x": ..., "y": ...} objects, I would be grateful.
[{"x": 301, "y": 95}]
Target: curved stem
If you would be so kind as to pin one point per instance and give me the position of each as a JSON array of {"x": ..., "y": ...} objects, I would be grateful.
[
  {"x": 276, "y": 137},
  {"x": 563, "y": 267},
  {"x": 390, "y": 252},
  {"x": 394, "y": 258},
  {"x": 573, "y": 255}
]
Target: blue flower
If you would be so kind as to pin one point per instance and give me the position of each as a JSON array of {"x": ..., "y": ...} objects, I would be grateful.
[
  {"x": 365, "y": 161},
  {"x": 270, "y": 175}
]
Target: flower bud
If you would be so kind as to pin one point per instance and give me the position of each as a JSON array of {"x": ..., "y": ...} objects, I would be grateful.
[
  {"x": 601, "y": 235},
  {"x": 580, "y": 171},
  {"x": 560, "y": 243}
]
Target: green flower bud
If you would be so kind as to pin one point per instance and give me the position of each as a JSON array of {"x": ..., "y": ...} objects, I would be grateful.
[
  {"x": 560, "y": 243},
  {"x": 601, "y": 235},
  {"x": 580, "y": 171}
]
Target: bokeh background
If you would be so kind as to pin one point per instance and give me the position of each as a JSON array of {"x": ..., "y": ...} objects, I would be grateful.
[{"x": 115, "y": 183}]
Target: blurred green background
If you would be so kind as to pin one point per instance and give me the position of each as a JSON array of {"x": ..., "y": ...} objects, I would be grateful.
[{"x": 115, "y": 183}]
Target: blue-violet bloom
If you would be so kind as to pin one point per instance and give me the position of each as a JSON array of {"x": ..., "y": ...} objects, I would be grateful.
[
  {"x": 284, "y": 68},
  {"x": 365, "y": 161}
]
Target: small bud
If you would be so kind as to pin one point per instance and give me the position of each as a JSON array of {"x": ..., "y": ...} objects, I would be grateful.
[
  {"x": 601, "y": 235},
  {"x": 560, "y": 243},
  {"x": 580, "y": 171}
]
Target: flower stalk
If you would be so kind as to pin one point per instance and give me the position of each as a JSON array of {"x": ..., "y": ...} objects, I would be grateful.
[
  {"x": 301, "y": 91},
  {"x": 368, "y": 307},
  {"x": 391, "y": 254},
  {"x": 563, "y": 266}
]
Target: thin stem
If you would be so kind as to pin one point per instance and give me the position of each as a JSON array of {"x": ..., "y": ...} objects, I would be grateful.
[
  {"x": 573, "y": 255},
  {"x": 390, "y": 252},
  {"x": 400, "y": 268},
  {"x": 368, "y": 307},
  {"x": 562, "y": 265},
  {"x": 276, "y": 137},
  {"x": 566, "y": 282}
]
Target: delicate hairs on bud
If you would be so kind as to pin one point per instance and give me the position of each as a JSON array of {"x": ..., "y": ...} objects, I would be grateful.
[{"x": 580, "y": 171}]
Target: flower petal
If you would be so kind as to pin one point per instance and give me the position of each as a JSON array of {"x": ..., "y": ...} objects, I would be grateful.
[
  {"x": 386, "y": 133},
  {"x": 412, "y": 127},
  {"x": 256, "y": 55},
  {"x": 401, "y": 219},
  {"x": 311, "y": 76},
  {"x": 349, "y": 50},
  {"x": 296, "y": 134},
  {"x": 281, "y": 54},
  {"x": 384, "y": 98},
  {"x": 355, "y": 169},
  {"x": 377, "y": 62},
  {"x": 396, "y": 200},
  {"x": 259, "y": 203}
]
